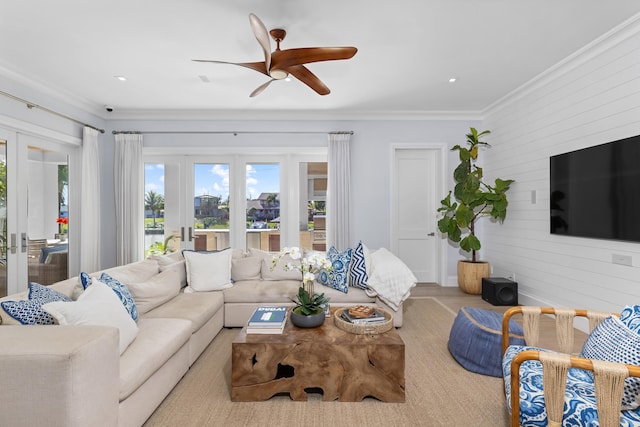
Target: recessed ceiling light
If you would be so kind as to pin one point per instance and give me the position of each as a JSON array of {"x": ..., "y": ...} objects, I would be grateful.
[
  {"x": 452, "y": 80},
  {"x": 121, "y": 78}
]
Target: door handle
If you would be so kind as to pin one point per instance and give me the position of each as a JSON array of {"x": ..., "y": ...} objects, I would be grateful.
[
  {"x": 13, "y": 246},
  {"x": 182, "y": 234},
  {"x": 23, "y": 237},
  {"x": 191, "y": 236},
  {"x": 431, "y": 234}
]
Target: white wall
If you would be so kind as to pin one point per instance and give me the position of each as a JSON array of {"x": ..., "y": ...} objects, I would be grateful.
[{"x": 589, "y": 99}]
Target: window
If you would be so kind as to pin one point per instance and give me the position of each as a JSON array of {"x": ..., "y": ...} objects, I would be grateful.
[
  {"x": 241, "y": 201},
  {"x": 262, "y": 190}
]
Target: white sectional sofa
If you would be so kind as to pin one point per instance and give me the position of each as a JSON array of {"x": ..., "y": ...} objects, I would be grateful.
[{"x": 75, "y": 375}]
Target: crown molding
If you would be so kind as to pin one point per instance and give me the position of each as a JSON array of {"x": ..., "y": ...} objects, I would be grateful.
[{"x": 603, "y": 43}]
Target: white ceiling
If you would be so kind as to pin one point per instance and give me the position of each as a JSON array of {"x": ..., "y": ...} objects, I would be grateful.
[{"x": 407, "y": 51}]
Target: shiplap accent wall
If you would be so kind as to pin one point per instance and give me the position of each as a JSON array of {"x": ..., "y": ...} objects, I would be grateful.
[{"x": 592, "y": 97}]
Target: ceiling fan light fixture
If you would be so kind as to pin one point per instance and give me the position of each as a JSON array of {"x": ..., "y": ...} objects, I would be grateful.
[{"x": 278, "y": 74}]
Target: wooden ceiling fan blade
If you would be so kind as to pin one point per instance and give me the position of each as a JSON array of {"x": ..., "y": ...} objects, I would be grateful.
[
  {"x": 303, "y": 74},
  {"x": 282, "y": 59},
  {"x": 262, "y": 35},
  {"x": 260, "y": 88},
  {"x": 257, "y": 66}
]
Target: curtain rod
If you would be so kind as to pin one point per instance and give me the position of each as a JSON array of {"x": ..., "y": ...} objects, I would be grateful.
[
  {"x": 229, "y": 132},
  {"x": 31, "y": 105}
]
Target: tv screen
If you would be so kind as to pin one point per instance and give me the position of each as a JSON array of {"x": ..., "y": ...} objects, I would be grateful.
[{"x": 595, "y": 192}]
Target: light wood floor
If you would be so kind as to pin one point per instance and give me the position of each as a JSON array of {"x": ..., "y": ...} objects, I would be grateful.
[{"x": 455, "y": 299}]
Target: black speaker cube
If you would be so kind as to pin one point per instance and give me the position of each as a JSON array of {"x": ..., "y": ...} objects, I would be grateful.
[{"x": 499, "y": 291}]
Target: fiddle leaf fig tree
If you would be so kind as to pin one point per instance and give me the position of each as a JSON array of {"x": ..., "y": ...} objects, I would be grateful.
[{"x": 471, "y": 197}]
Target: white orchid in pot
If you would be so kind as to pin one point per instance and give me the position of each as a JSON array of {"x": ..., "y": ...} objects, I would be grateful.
[{"x": 308, "y": 303}]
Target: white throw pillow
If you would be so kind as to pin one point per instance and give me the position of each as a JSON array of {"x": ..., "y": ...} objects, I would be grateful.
[
  {"x": 208, "y": 271},
  {"x": 98, "y": 305},
  {"x": 155, "y": 291}
]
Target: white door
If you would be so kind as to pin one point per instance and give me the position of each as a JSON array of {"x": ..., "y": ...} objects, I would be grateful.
[
  {"x": 414, "y": 204},
  {"x": 186, "y": 204},
  {"x": 36, "y": 225}
]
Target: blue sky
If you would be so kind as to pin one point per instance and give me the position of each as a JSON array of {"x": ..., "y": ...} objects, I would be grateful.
[{"x": 213, "y": 179}]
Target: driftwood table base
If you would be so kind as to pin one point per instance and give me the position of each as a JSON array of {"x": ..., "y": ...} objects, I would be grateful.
[{"x": 344, "y": 366}]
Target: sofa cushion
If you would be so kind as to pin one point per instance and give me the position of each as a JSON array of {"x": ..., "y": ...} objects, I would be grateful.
[
  {"x": 157, "y": 341},
  {"x": 279, "y": 292},
  {"x": 155, "y": 291},
  {"x": 246, "y": 268},
  {"x": 198, "y": 308},
  {"x": 173, "y": 261},
  {"x": 208, "y": 271},
  {"x": 99, "y": 306},
  {"x": 358, "y": 269},
  {"x": 135, "y": 272},
  {"x": 270, "y": 272},
  {"x": 29, "y": 311}
]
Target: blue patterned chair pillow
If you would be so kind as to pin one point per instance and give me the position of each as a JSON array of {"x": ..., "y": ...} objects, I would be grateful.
[
  {"x": 630, "y": 317},
  {"x": 580, "y": 400},
  {"x": 338, "y": 277},
  {"x": 118, "y": 287},
  {"x": 613, "y": 341},
  {"x": 29, "y": 311},
  {"x": 358, "y": 271}
]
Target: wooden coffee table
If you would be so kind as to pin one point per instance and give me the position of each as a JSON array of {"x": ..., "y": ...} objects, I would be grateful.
[{"x": 345, "y": 366}]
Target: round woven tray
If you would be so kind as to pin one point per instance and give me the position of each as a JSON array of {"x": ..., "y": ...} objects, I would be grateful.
[{"x": 378, "y": 328}]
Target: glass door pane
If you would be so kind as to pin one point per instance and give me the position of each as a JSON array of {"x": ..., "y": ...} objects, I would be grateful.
[
  {"x": 211, "y": 208},
  {"x": 161, "y": 223},
  {"x": 313, "y": 209},
  {"x": 48, "y": 219},
  {"x": 263, "y": 206}
]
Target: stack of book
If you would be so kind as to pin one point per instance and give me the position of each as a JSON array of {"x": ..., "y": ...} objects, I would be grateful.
[
  {"x": 267, "y": 320},
  {"x": 363, "y": 315}
]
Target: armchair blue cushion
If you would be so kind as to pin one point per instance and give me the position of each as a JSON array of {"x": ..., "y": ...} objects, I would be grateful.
[{"x": 44, "y": 252}]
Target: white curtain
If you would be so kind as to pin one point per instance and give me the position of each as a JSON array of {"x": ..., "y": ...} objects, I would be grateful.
[
  {"x": 129, "y": 182},
  {"x": 90, "y": 197},
  {"x": 338, "y": 191}
]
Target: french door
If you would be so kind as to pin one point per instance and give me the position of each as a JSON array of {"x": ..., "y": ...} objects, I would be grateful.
[
  {"x": 36, "y": 227},
  {"x": 241, "y": 200}
]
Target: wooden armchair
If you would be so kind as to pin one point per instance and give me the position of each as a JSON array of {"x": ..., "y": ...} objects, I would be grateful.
[{"x": 530, "y": 373}]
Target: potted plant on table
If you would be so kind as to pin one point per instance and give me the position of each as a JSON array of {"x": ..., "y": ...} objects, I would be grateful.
[
  {"x": 309, "y": 309},
  {"x": 472, "y": 198}
]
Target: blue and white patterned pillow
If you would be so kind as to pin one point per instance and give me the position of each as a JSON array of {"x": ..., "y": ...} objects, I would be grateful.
[
  {"x": 29, "y": 311},
  {"x": 338, "y": 277},
  {"x": 630, "y": 317},
  {"x": 118, "y": 287},
  {"x": 613, "y": 341},
  {"x": 358, "y": 272}
]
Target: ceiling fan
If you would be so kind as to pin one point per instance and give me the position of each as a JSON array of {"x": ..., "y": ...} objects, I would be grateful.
[{"x": 279, "y": 64}]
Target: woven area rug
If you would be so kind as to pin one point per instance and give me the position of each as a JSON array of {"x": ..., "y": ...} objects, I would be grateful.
[{"x": 439, "y": 392}]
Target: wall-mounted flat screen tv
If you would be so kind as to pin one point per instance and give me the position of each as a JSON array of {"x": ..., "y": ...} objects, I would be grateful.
[{"x": 595, "y": 192}]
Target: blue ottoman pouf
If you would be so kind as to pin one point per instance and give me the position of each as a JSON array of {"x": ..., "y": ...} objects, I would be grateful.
[{"x": 475, "y": 340}]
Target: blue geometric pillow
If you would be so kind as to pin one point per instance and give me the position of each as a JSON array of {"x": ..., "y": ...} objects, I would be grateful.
[
  {"x": 118, "y": 287},
  {"x": 29, "y": 311},
  {"x": 613, "y": 341},
  {"x": 358, "y": 273},
  {"x": 338, "y": 278}
]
